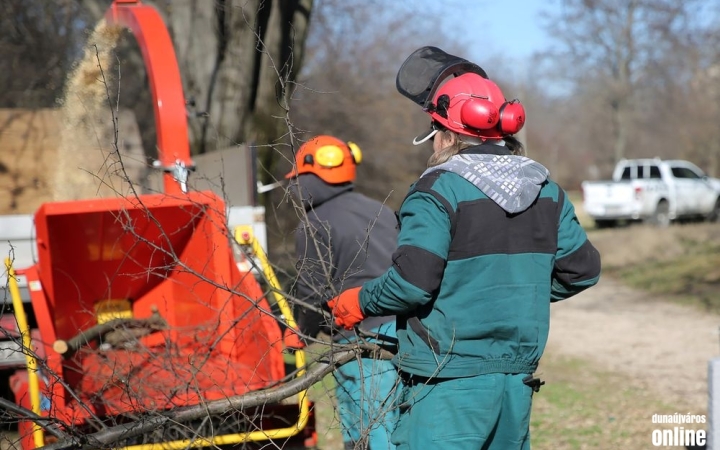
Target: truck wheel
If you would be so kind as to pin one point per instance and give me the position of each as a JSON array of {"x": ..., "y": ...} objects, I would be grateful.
[
  {"x": 661, "y": 216},
  {"x": 714, "y": 215},
  {"x": 605, "y": 223}
]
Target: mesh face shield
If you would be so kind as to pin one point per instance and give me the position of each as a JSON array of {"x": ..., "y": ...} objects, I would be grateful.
[{"x": 424, "y": 71}]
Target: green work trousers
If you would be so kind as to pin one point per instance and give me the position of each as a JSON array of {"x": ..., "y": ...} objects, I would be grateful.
[{"x": 484, "y": 412}]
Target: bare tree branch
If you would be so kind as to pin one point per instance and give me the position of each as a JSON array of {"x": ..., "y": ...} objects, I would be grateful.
[
  {"x": 44, "y": 422},
  {"x": 325, "y": 365}
]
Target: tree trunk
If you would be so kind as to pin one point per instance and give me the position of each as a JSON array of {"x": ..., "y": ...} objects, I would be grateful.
[{"x": 235, "y": 58}]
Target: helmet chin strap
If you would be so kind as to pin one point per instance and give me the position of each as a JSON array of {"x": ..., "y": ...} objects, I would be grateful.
[{"x": 425, "y": 139}]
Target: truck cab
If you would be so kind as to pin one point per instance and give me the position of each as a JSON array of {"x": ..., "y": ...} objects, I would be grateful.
[{"x": 652, "y": 190}]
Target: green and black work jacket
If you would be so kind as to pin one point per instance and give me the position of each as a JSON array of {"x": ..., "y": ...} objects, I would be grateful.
[{"x": 487, "y": 242}]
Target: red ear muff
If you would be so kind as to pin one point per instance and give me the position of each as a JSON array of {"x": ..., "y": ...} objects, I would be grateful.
[
  {"x": 512, "y": 117},
  {"x": 479, "y": 113}
]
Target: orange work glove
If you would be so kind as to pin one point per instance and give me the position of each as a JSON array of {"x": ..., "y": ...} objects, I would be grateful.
[
  {"x": 292, "y": 340},
  {"x": 346, "y": 308}
]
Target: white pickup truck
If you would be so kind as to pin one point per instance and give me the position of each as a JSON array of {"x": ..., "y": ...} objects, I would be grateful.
[{"x": 653, "y": 190}]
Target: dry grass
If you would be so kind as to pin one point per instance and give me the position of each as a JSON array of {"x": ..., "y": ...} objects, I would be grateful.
[
  {"x": 585, "y": 407},
  {"x": 9, "y": 441},
  {"x": 642, "y": 244},
  {"x": 327, "y": 422},
  {"x": 681, "y": 261}
]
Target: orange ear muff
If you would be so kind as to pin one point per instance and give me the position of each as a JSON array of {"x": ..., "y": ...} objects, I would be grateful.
[
  {"x": 355, "y": 152},
  {"x": 512, "y": 117},
  {"x": 479, "y": 113}
]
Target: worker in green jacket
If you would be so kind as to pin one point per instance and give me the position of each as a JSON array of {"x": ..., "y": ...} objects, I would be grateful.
[{"x": 487, "y": 242}]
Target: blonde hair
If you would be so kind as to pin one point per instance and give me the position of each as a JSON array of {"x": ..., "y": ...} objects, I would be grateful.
[
  {"x": 448, "y": 152},
  {"x": 512, "y": 144}
]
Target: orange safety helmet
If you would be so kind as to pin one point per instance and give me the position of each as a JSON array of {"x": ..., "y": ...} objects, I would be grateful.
[{"x": 327, "y": 157}]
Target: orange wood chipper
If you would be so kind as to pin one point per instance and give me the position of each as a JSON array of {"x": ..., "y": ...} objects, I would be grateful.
[{"x": 140, "y": 306}]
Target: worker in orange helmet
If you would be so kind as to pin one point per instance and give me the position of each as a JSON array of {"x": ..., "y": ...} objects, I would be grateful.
[{"x": 344, "y": 239}]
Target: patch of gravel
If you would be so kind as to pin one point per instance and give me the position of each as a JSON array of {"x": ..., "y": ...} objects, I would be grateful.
[{"x": 659, "y": 345}]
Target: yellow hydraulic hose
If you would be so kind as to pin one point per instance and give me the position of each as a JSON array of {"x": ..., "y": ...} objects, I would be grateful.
[
  {"x": 32, "y": 365},
  {"x": 244, "y": 236}
]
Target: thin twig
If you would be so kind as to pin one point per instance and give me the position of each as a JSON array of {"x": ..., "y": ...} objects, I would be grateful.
[{"x": 104, "y": 438}]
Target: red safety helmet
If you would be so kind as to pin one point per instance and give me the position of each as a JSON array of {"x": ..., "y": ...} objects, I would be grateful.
[
  {"x": 474, "y": 106},
  {"x": 327, "y": 157}
]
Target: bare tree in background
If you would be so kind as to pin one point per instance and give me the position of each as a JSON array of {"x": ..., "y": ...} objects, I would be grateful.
[
  {"x": 347, "y": 87},
  {"x": 237, "y": 59},
  {"x": 38, "y": 42},
  {"x": 701, "y": 96},
  {"x": 232, "y": 55},
  {"x": 617, "y": 46}
]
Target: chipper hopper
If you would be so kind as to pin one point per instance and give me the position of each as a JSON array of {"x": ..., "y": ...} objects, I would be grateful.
[{"x": 141, "y": 307}]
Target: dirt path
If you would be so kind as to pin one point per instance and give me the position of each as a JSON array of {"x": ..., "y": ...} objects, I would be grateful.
[{"x": 659, "y": 345}]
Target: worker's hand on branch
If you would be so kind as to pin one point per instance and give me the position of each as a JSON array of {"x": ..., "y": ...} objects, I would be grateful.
[
  {"x": 346, "y": 308},
  {"x": 292, "y": 340}
]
